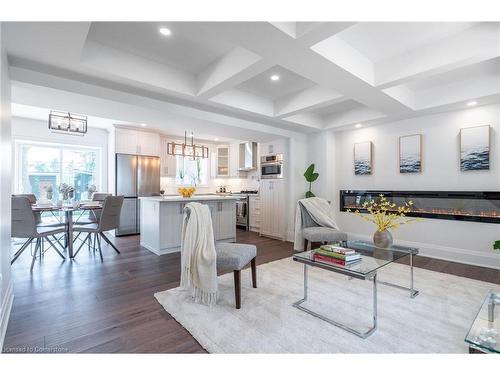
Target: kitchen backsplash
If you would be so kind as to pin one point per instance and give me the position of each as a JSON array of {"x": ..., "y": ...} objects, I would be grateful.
[{"x": 232, "y": 184}]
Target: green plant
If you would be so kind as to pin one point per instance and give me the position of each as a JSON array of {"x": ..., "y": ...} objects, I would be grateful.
[
  {"x": 310, "y": 176},
  {"x": 496, "y": 245}
]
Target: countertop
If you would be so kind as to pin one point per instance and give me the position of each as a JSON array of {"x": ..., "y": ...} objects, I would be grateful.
[{"x": 194, "y": 198}]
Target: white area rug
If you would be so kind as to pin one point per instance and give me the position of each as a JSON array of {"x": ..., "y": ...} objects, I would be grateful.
[{"x": 436, "y": 321}]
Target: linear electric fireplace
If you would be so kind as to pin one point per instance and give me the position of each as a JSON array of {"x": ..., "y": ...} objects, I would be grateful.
[{"x": 449, "y": 205}]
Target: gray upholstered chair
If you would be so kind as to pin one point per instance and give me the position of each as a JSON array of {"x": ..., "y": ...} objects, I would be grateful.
[
  {"x": 109, "y": 220},
  {"x": 94, "y": 215},
  {"x": 48, "y": 222},
  {"x": 313, "y": 232},
  {"x": 24, "y": 225},
  {"x": 234, "y": 257}
]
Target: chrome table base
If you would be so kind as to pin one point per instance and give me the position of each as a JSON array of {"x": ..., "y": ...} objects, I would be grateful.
[{"x": 413, "y": 294}]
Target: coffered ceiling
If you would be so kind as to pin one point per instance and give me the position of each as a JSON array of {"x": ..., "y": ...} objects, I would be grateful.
[{"x": 217, "y": 76}]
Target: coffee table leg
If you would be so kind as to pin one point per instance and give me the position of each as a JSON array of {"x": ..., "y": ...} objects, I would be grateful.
[
  {"x": 413, "y": 292},
  {"x": 363, "y": 335},
  {"x": 305, "y": 282}
]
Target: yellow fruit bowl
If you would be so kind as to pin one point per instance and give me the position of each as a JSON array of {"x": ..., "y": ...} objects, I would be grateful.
[{"x": 186, "y": 192}]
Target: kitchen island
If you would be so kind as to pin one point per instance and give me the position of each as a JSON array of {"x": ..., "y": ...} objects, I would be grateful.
[{"x": 161, "y": 220}]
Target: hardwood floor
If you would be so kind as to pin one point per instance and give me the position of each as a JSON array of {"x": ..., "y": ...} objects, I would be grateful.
[{"x": 89, "y": 306}]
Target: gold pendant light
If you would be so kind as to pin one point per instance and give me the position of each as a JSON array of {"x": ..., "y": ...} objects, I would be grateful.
[{"x": 185, "y": 149}]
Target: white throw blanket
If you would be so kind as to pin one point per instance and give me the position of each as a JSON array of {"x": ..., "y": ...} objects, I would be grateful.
[
  {"x": 321, "y": 212},
  {"x": 198, "y": 256}
]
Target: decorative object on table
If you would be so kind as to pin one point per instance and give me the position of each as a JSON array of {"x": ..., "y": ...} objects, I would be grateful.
[
  {"x": 410, "y": 153},
  {"x": 162, "y": 192},
  {"x": 91, "y": 190},
  {"x": 363, "y": 158},
  {"x": 337, "y": 255},
  {"x": 475, "y": 148},
  {"x": 67, "y": 123},
  {"x": 191, "y": 149},
  {"x": 310, "y": 176},
  {"x": 385, "y": 215},
  {"x": 186, "y": 192},
  {"x": 66, "y": 191},
  {"x": 50, "y": 191}
]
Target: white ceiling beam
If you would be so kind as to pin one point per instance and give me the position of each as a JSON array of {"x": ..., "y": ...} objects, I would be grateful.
[
  {"x": 321, "y": 31},
  {"x": 469, "y": 47},
  {"x": 237, "y": 66},
  {"x": 306, "y": 100},
  {"x": 274, "y": 45},
  {"x": 352, "y": 116},
  {"x": 116, "y": 63},
  {"x": 307, "y": 119},
  {"x": 245, "y": 101}
]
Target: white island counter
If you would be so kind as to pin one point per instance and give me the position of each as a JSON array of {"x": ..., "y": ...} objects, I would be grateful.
[{"x": 161, "y": 220}]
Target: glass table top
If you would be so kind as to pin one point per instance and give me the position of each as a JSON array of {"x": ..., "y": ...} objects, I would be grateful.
[
  {"x": 484, "y": 333},
  {"x": 372, "y": 258}
]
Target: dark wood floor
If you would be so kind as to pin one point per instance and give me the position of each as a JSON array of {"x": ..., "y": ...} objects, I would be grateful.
[{"x": 89, "y": 306}]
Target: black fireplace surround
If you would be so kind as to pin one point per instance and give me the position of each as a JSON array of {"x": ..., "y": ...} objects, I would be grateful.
[{"x": 449, "y": 205}]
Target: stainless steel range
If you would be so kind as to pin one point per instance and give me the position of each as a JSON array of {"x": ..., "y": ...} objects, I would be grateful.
[{"x": 243, "y": 208}]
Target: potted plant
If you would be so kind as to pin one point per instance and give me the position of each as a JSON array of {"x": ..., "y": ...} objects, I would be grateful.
[
  {"x": 310, "y": 176},
  {"x": 496, "y": 245},
  {"x": 385, "y": 215}
]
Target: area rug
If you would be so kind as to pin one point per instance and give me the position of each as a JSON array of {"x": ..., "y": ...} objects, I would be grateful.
[{"x": 436, "y": 321}]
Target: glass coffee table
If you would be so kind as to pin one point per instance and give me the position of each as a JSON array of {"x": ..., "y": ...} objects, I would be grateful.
[
  {"x": 484, "y": 333},
  {"x": 372, "y": 259}
]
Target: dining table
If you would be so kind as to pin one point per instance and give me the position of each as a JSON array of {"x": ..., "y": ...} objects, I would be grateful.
[{"x": 68, "y": 212}]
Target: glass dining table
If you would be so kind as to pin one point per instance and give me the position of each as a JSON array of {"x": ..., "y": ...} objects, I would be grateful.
[{"x": 68, "y": 215}]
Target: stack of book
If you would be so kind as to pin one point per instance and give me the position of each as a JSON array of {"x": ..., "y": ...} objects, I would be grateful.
[{"x": 337, "y": 255}]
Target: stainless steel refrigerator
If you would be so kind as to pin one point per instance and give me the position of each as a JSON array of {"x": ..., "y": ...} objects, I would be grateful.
[{"x": 136, "y": 176}]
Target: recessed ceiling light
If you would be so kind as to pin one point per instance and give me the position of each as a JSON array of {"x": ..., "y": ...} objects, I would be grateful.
[
  {"x": 165, "y": 31},
  {"x": 275, "y": 77},
  {"x": 358, "y": 125},
  {"x": 470, "y": 104},
  {"x": 216, "y": 139},
  {"x": 144, "y": 125}
]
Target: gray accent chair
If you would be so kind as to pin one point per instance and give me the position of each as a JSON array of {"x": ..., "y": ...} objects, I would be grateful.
[
  {"x": 94, "y": 215},
  {"x": 109, "y": 220},
  {"x": 313, "y": 232},
  {"x": 24, "y": 225},
  {"x": 234, "y": 257}
]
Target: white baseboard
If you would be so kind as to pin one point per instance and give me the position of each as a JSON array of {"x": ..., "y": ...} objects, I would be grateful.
[
  {"x": 5, "y": 308},
  {"x": 452, "y": 254}
]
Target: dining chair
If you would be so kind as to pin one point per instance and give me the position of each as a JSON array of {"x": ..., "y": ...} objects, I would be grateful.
[
  {"x": 109, "y": 220},
  {"x": 54, "y": 222},
  {"x": 24, "y": 225},
  {"x": 93, "y": 215}
]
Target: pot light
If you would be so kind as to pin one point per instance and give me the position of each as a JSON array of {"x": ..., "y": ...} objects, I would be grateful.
[
  {"x": 275, "y": 77},
  {"x": 144, "y": 125},
  {"x": 165, "y": 31},
  {"x": 358, "y": 125},
  {"x": 471, "y": 104},
  {"x": 216, "y": 139}
]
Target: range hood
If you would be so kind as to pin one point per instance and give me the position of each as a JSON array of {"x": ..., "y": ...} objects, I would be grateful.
[{"x": 248, "y": 156}]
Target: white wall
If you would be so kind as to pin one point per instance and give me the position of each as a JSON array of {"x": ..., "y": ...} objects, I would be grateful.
[
  {"x": 6, "y": 291},
  {"x": 466, "y": 242},
  {"x": 36, "y": 130}
]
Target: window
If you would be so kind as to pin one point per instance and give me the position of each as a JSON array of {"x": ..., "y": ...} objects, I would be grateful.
[
  {"x": 191, "y": 172},
  {"x": 41, "y": 165}
]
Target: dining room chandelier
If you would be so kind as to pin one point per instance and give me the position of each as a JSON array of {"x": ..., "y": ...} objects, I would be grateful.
[
  {"x": 67, "y": 123},
  {"x": 187, "y": 149}
]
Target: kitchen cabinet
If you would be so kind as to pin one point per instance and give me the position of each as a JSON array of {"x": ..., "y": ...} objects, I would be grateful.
[
  {"x": 135, "y": 142},
  {"x": 168, "y": 163},
  {"x": 254, "y": 213},
  {"x": 272, "y": 209},
  {"x": 162, "y": 218},
  {"x": 222, "y": 161}
]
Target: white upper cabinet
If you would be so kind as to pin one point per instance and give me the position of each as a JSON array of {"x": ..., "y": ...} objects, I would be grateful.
[
  {"x": 222, "y": 161},
  {"x": 128, "y": 141}
]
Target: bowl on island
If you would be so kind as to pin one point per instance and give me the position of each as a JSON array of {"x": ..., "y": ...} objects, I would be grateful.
[{"x": 186, "y": 192}]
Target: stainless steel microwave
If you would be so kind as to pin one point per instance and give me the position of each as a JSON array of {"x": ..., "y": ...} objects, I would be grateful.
[{"x": 271, "y": 166}]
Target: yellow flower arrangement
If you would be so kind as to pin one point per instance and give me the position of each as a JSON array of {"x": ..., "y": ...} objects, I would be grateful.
[
  {"x": 384, "y": 214},
  {"x": 186, "y": 192}
]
